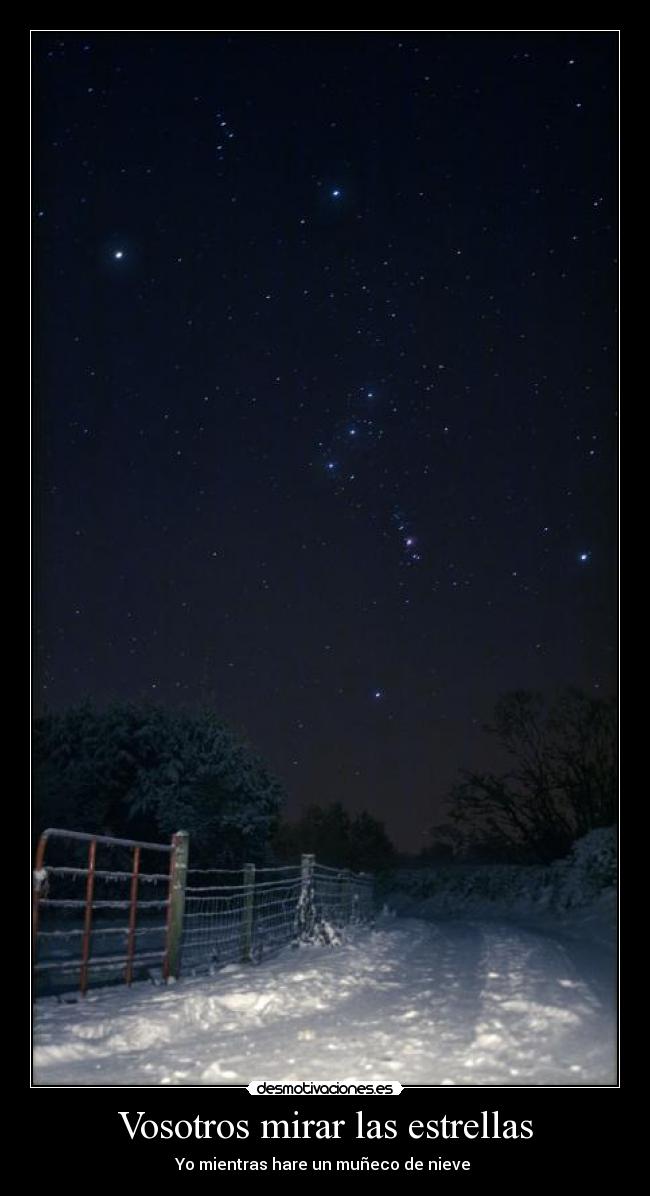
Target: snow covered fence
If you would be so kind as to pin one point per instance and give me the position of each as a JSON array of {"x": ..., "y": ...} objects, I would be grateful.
[
  {"x": 243, "y": 915},
  {"x": 196, "y": 918}
]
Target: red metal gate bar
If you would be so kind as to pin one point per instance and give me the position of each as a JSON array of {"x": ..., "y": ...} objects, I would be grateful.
[
  {"x": 85, "y": 837},
  {"x": 133, "y": 909},
  {"x": 88, "y": 917}
]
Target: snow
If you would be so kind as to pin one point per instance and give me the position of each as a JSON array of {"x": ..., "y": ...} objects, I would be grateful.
[{"x": 477, "y": 1001}]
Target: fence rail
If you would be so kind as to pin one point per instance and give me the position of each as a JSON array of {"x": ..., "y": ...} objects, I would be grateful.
[{"x": 204, "y": 917}]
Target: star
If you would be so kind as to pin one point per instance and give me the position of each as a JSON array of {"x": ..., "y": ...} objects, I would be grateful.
[
  {"x": 336, "y": 193},
  {"x": 377, "y": 694},
  {"x": 584, "y": 557},
  {"x": 118, "y": 255}
]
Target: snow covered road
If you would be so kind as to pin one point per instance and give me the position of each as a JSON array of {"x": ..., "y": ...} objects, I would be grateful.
[{"x": 457, "y": 1003}]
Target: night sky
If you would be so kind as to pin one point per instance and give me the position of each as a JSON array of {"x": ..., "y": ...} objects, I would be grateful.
[{"x": 325, "y": 388}]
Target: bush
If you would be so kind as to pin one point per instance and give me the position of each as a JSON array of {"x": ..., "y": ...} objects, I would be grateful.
[{"x": 591, "y": 867}]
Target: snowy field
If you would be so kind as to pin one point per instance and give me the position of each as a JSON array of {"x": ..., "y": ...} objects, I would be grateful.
[{"x": 472, "y": 1002}]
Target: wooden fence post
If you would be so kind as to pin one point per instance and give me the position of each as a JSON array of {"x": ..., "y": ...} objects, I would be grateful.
[
  {"x": 306, "y": 895},
  {"x": 347, "y": 896},
  {"x": 176, "y": 909},
  {"x": 247, "y": 915}
]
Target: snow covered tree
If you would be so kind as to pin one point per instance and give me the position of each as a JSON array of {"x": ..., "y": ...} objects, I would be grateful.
[
  {"x": 562, "y": 783},
  {"x": 143, "y": 771},
  {"x": 67, "y": 765}
]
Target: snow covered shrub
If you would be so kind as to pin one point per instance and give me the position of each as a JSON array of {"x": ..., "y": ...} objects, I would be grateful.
[
  {"x": 591, "y": 867},
  {"x": 510, "y": 889}
]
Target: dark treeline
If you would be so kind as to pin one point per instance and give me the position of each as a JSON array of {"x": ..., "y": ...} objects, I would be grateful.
[
  {"x": 329, "y": 832},
  {"x": 142, "y": 771}
]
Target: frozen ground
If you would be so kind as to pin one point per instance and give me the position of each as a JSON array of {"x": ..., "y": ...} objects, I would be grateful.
[{"x": 479, "y": 1002}]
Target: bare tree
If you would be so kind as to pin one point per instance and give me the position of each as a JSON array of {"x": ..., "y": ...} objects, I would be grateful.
[{"x": 562, "y": 782}]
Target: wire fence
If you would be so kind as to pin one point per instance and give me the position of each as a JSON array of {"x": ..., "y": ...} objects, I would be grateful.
[
  {"x": 242, "y": 917},
  {"x": 259, "y": 910},
  {"x": 104, "y": 908},
  {"x": 340, "y": 896}
]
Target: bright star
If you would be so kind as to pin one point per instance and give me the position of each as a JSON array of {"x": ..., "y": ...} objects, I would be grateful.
[
  {"x": 119, "y": 254},
  {"x": 335, "y": 193},
  {"x": 584, "y": 556},
  {"x": 377, "y": 693}
]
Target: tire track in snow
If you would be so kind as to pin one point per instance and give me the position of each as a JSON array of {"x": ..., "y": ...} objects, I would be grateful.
[{"x": 450, "y": 1003}]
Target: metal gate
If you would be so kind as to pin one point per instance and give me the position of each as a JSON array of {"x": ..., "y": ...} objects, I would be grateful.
[{"x": 110, "y": 897}]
